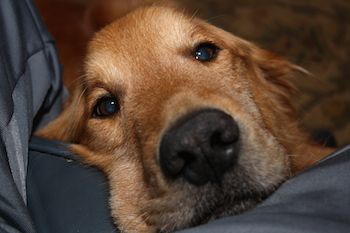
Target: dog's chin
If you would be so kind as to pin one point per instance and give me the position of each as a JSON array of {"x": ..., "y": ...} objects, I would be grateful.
[
  {"x": 204, "y": 213},
  {"x": 199, "y": 205}
]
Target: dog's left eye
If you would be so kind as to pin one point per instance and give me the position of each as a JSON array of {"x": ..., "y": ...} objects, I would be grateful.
[
  {"x": 205, "y": 52},
  {"x": 106, "y": 107}
]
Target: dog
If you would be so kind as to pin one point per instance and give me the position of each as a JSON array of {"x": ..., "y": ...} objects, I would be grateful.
[{"x": 188, "y": 122}]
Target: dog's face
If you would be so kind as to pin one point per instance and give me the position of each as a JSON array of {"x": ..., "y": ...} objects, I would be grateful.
[{"x": 188, "y": 122}]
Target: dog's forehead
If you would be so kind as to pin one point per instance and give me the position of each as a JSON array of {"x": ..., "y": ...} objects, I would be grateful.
[
  {"x": 147, "y": 28},
  {"x": 145, "y": 34},
  {"x": 148, "y": 40}
]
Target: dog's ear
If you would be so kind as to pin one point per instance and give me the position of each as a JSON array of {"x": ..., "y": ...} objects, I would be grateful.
[
  {"x": 275, "y": 88},
  {"x": 69, "y": 124},
  {"x": 275, "y": 74}
]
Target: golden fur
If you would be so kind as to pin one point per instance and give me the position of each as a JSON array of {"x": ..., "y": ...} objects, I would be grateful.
[{"x": 145, "y": 60}]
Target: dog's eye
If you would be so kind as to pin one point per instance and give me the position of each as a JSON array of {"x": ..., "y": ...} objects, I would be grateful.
[
  {"x": 105, "y": 107},
  {"x": 205, "y": 52}
]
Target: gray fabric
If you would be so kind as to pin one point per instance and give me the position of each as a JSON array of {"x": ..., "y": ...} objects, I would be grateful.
[
  {"x": 316, "y": 201},
  {"x": 13, "y": 213},
  {"x": 30, "y": 95},
  {"x": 63, "y": 196},
  {"x": 29, "y": 79}
]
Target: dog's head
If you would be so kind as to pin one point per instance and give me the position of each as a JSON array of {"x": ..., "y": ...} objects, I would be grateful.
[{"x": 188, "y": 121}]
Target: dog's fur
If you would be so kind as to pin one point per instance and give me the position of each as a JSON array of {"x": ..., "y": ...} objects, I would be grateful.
[{"x": 145, "y": 60}]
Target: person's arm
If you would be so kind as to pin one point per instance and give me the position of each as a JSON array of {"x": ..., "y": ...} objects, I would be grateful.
[{"x": 30, "y": 95}]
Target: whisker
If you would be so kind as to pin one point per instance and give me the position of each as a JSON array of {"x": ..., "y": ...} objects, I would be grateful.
[
  {"x": 194, "y": 14},
  {"x": 211, "y": 19}
]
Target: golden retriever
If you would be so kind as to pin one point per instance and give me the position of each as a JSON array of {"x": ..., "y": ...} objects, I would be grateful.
[{"x": 187, "y": 121}]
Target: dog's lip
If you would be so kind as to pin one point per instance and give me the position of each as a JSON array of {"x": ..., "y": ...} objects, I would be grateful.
[{"x": 230, "y": 204}]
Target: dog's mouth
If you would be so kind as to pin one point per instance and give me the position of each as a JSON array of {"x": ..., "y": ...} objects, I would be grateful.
[
  {"x": 204, "y": 213},
  {"x": 192, "y": 205}
]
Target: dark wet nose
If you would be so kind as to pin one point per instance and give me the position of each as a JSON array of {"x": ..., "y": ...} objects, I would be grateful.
[{"x": 200, "y": 147}]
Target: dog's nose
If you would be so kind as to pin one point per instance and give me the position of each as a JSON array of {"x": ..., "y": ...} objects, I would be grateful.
[{"x": 200, "y": 147}]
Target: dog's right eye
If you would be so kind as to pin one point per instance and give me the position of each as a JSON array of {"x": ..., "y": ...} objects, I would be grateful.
[
  {"x": 106, "y": 107},
  {"x": 205, "y": 52}
]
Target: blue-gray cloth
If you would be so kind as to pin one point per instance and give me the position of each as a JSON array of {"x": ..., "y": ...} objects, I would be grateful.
[
  {"x": 30, "y": 95},
  {"x": 29, "y": 79}
]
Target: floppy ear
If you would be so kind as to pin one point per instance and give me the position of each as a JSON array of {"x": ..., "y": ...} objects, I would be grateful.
[
  {"x": 275, "y": 75},
  {"x": 69, "y": 124},
  {"x": 274, "y": 92},
  {"x": 273, "y": 72}
]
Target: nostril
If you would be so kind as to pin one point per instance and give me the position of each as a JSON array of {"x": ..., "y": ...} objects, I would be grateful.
[
  {"x": 187, "y": 157},
  {"x": 175, "y": 166},
  {"x": 221, "y": 139},
  {"x": 196, "y": 169}
]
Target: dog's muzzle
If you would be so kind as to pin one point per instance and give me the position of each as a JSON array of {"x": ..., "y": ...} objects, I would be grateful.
[{"x": 200, "y": 147}]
